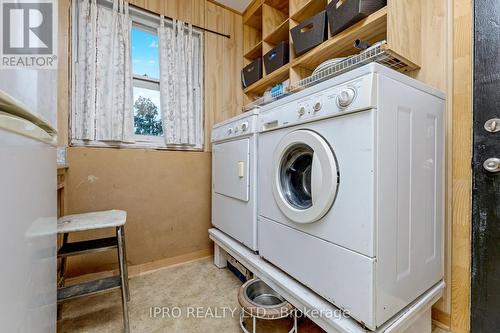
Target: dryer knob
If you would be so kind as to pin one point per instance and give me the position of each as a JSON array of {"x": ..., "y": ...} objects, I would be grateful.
[
  {"x": 346, "y": 97},
  {"x": 302, "y": 111},
  {"x": 244, "y": 127},
  {"x": 229, "y": 131}
]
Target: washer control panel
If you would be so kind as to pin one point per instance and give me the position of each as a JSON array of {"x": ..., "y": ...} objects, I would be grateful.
[
  {"x": 239, "y": 127},
  {"x": 348, "y": 97}
]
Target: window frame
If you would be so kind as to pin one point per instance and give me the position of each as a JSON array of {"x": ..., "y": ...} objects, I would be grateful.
[{"x": 149, "y": 22}]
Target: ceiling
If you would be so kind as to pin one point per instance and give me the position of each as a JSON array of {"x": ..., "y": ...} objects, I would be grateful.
[{"x": 238, "y": 5}]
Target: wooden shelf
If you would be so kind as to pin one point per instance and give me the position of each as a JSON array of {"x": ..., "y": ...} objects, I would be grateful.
[
  {"x": 308, "y": 9},
  {"x": 281, "y": 33},
  {"x": 371, "y": 29},
  {"x": 400, "y": 25},
  {"x": 255, "y": 52},
  {"x": 254, "y": 18},
  {"x": 271, "y": 19},
  {"x": 281, "y": 5},
  {"x": 268, "y": 81}
]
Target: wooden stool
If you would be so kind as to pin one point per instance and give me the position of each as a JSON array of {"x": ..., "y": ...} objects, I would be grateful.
[{"x": 92, "y": 221}]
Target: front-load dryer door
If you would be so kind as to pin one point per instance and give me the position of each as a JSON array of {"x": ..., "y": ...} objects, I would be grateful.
[
  {"x": 230, "y": 169},
  {"x": 305, "y": 176}
]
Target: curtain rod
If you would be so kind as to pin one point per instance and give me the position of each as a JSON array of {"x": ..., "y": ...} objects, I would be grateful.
[{"x": 170, "y": 18}]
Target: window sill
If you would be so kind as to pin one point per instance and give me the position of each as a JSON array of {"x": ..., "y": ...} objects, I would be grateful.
[{"x": 136, "y": 145}]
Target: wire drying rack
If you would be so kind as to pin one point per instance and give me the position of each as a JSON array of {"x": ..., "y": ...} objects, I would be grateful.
[{"x": 376, "y": 53}]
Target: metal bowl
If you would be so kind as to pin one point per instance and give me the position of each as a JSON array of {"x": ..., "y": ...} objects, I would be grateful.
[{"x": 261, "y": 295}]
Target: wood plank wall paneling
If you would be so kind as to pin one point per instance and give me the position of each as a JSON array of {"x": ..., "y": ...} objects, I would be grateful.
[
  {"x": 214, "y": 46},
  {"x": 435, "y": 64},
  {"x": 192, "y": 11},
  {"x": 435, "y": 61},
  {"x": 63, "y": 97},
  {"x": 167, "y": 194},
  {"x": 406, "y": 38},
  {"x": 462, "y": 172},
  {"x": 434, "y": 39},
  {"x": 447, "y": 65},
  {"x": 223, "y": 62}
]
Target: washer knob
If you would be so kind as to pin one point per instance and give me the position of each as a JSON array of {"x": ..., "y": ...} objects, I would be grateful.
[
  {"x": 244, "y": 127},
  {"x": 229, "y": 131},
  {"x": 302, "y": 111},
  {"x": 346, "y": 97},
  {"x": 317, "y": 106},
  {"x": 236, "y": 129}
]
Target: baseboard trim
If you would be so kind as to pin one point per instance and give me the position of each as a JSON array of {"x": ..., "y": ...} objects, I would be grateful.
[
  {"x": 441, "y": 319},
  {"x": 146, "y": 268}
]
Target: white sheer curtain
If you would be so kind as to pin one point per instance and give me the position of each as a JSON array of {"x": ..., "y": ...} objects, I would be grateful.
[
  {"x": 104, "y": 106},
  {"x": 179, "y": 91}
]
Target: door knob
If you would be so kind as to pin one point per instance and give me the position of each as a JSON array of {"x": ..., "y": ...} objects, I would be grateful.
[
  {"x": 492, "y": 125},
  {"x": 492, "y": 165}
]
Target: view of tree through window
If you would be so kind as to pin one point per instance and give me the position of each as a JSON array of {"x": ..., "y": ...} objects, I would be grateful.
[
  {"x": 147, "y": 120},
  {"x": 146, "y": 68}
]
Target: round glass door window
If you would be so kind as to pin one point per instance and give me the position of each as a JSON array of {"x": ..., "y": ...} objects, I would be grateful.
[
  {"x": 306, "y": 176},
  {"x": 295, "y": 176}
]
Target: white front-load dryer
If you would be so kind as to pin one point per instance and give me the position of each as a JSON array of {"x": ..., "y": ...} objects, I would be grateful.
[
  {"x": 351, "y": 190},
  {"x": 234, "y": 177}
]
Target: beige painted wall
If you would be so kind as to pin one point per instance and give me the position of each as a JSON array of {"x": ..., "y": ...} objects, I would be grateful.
[{"x": 166, "y": 193}]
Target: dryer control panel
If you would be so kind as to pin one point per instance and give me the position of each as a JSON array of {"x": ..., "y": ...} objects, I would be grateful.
[
  {"x": 236, "y": 127},
  {"x": 358, "y": 94}
]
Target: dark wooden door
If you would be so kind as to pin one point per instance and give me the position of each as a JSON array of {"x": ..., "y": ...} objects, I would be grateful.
[{"x": 485, "y": 316}]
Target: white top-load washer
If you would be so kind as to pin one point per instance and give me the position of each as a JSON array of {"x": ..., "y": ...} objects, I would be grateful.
[
  {"x": 351, "y": 190},
  {"x": 234, "y": 177}
]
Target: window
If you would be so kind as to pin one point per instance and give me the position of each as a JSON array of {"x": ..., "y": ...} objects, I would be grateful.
[
  {"x": 146, "y": 73},
  {"x": 149, "y": 129}
]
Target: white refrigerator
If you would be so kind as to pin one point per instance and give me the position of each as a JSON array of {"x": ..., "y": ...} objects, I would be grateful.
[{"x": 28, "y": 202}]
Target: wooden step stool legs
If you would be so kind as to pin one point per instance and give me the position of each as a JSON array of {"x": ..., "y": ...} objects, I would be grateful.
[
  {"x": 61, "y": 277},
  {"x": 93, "y": 287},
  {"x": 63, "y": 262},
  {"x": 93, "y": 221},
  {"x": 122, "y": 258}
]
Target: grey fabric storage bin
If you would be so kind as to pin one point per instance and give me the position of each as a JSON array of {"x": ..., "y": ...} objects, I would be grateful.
[
  {"x": 350, "y": 12},
  {"x": 251, "y": 73},
  {"x": 276, "y": 58},
  {"x": 317, "y": 33}
]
